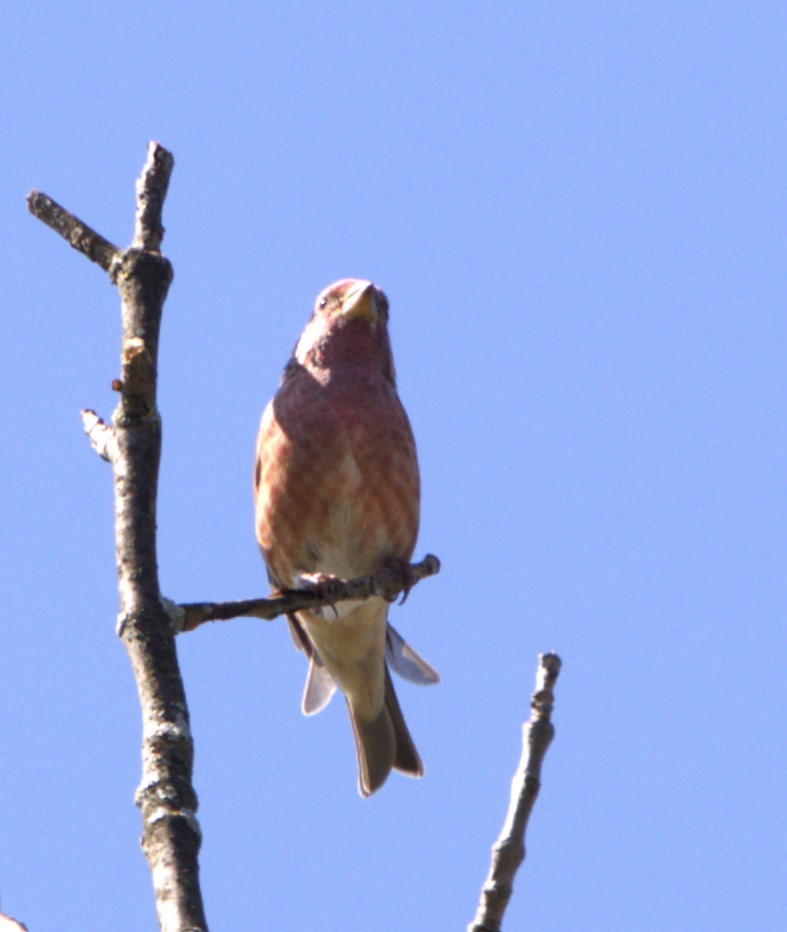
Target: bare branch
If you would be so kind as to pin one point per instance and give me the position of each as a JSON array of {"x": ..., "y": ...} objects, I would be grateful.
[
  {"x": 170, "y": 834},
  {"x": 73, "y": 230},
  {"x": 388, "y": 582},
  {"x": 100, "y": 434},
  {"x": 508, "y": 852},
  {"x": 151, "y": 190}
]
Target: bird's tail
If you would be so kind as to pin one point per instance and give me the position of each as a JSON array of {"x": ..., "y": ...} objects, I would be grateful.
[{"x": 384, "y": 744}]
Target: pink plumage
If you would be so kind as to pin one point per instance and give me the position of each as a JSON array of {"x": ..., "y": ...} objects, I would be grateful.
[{"x": 337, "y": 494}]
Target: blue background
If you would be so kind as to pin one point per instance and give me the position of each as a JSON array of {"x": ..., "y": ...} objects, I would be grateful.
[{"x": 578, "y": 214}]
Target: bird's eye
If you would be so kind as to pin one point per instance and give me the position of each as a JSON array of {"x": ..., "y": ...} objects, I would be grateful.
[{"x": 323, "y": 302}]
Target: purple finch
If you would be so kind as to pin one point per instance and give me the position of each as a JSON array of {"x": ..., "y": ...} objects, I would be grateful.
[{"x": 337, "y": 495}]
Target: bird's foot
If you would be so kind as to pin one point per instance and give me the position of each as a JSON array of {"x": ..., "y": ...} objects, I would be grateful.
[
  {"x": 403, "y": 569},
  {"x": 322, "y": 585}
]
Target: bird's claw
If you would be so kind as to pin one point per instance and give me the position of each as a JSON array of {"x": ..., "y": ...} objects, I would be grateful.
[
  {"x": 323, "y": 586},
  {"x": 405, "y": 572}
]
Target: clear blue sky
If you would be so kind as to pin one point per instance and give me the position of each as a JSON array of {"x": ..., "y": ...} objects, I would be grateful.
[{"x": 578, "y": 214}]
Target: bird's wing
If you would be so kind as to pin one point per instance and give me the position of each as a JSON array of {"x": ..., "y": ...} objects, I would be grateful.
[
  {"x": 320, "y": 685},
  {"x": 406, "y": 662},
  {"x": 319, "y": 689}
]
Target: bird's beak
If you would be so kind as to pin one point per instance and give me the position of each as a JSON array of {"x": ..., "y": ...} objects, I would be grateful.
[{"x": 360, "y": 301}]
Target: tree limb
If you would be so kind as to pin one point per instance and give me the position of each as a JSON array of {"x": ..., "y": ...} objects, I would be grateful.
[
  {"x": 508, "y": 852},
  {"x": 73, "y": 230},
  {"x": 387, "y": 582},
  {"x": 170, "y": 834}
]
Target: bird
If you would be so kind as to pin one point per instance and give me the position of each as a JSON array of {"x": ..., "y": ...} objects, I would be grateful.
[{"x": 337, "y": 495}]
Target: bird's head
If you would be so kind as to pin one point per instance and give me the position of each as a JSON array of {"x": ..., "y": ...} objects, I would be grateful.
[
  {"x": 349, "y": 299},
  {"x": 349, "y": 325}
]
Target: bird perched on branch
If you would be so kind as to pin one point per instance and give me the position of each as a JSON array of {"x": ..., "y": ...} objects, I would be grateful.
[{"x": 337, "y": 494}]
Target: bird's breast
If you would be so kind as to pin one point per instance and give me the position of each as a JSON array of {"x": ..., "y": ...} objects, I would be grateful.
[{"x": 338, "y": 485}]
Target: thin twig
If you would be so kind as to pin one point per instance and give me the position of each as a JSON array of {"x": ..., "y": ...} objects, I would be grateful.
[
  {"x": 100, "y": 434},
  {"x": 508, "y": 852},
  {"x": 73, "y": 230},
  {"x": 388, "y": 582},
  {"x": 152, "y": 187}
]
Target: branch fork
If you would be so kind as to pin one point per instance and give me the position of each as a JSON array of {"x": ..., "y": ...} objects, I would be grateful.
[{"x": 170, "y": 833}]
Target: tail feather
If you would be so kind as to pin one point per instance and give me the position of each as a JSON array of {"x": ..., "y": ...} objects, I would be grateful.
[
  {"x": 384, "y": 744},
  {"x": 407, "y": 760}
]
